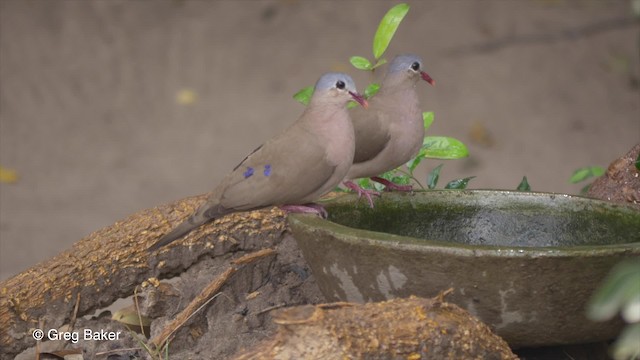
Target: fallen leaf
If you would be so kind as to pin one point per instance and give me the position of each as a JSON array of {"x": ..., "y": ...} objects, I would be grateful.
[
  {"x": 186, "y": 97},
  {"x": 8, "y": 176}
]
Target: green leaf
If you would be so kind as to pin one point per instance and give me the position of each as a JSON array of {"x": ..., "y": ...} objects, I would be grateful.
[
  {"x": 387, "y": 28},
  {"x": 378, "y": 187},
  {"x": 379, "y": 63},
  {"x": 387, "y": 175},
  {"x": 443, "y": 147},
  {"x": 303, "y": 96},
  {"x": 351, "y": 104},
  {"x": 427, "y": 118},
  {"x": 631, "y": 310},
  {"x": 434, "y": 175},
  {"x": 585, "y": 173},
  {"x": 459, "y": 183},
  {"x": 360, "y": 63},
  {"x": 524, "y": 185},
  {"x": 585, "y": 189},
  {"x": 638, "y": 163},
  {"x": 395, "y": 177},
  {"x": 365, "y": 183},
  {"x": 413, "y": 163},
  {"x": 621, "y": 286},
  {"x": 371, "y": 90},
  {"x": 399, "y": 178},
  {"x": 627, "y": 345}
]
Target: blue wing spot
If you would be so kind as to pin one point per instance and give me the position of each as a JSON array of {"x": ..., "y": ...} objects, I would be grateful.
[
  {"x": 249, "y": 172},
  {"x": 267, "y": 170}
]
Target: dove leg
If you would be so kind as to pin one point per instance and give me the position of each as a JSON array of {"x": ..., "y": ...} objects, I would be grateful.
[
  {"x": 309, "y": 208},
  {"x": 390, "y": 186},
  {"x": 360, "y": 191}
]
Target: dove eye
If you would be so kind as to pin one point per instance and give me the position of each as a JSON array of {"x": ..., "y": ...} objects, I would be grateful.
[
  {"x": 415, "y": 66},
  {"x": 340, "y": 84}
]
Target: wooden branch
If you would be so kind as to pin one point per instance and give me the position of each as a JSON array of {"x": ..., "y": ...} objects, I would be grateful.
[
  {"x": 412, "y": 328},
  {"x": 109, "y": 263}
]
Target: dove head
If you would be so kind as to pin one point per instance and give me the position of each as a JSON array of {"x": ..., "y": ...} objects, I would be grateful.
[
  {"x": 336, "y": 88},
  {"x": 411, "y": 66}
]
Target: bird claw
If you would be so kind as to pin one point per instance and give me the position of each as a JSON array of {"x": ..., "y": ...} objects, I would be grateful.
[
  {"x": 310, "y": 208},
  {"x": 360, "y": 191},
  {"x": 390, "y": 186},
  {"x": 320, "y": 210}
]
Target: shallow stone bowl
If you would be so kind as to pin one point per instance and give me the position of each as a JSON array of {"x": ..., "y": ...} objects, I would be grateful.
[{"x": 525, "y": 263}]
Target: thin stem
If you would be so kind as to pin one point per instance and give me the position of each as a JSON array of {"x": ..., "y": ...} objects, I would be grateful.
[{"x": 410, "y": 175}]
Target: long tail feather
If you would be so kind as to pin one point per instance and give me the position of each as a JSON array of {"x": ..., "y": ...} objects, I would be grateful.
[
  {"x": 209, "y": 211},
  {"x": 181, "y": 230}
]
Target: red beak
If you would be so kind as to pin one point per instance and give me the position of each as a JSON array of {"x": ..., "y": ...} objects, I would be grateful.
[
  {"x": 359, "y": 99},
  {"x": 427, "y": 78}
]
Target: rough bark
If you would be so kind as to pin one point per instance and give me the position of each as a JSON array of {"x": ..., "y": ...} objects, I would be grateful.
[
  {"x": 413, "y": 328},
  {"x": 109, "y": 263},
  {"x": 621, "y": 181}
]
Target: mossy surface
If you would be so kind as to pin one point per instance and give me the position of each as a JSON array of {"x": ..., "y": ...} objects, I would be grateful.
[{"x": 493, "y": 218}]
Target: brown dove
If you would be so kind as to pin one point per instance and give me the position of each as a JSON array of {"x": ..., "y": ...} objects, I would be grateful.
[
  {"x": 293, "y": 169},
  {"x": 391, "y": 130}
]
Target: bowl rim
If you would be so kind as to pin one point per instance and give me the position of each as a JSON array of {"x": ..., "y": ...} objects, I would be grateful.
[{"x": 401, "y": 242}]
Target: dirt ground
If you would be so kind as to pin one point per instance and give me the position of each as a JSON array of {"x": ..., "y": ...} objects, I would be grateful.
[{"x": 108, "y": 107}]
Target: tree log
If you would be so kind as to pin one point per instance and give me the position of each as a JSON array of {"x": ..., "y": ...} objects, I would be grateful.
[
  {"x": 621, "y": 181},
  {"x": 413, "y": 328},
  {"x": 109, "y": 263}
]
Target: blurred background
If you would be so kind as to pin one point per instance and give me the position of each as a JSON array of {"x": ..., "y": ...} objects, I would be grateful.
[{"x": 110, "y": 107}]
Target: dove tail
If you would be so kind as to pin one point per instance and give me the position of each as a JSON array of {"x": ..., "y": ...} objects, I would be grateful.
[{"x": 204, "y": 215}]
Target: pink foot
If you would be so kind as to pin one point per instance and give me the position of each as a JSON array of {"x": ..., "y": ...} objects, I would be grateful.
[
  {"x": 389, "y": 186},
  {"x": 309, "y": 208},
  {"x": 360, "y": 191}
]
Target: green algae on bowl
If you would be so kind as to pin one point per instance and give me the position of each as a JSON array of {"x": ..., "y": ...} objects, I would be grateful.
[{"x": 504, "y": 219}]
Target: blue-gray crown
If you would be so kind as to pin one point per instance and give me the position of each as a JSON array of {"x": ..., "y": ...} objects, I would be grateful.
[
  {"x": 335, "y": 80},
  {"x": 404, "y": 62}
]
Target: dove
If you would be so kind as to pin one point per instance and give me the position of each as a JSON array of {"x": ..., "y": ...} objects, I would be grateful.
[
  {"x": 390, "y": 131},
  {"x": 307, "y": 160}
]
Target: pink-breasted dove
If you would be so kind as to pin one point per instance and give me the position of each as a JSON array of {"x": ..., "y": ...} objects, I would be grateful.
[
  {"x": 293, "y": 169},
  {"x": 390, "y": 131}
]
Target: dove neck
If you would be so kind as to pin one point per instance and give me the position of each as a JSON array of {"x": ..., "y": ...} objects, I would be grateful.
[
  {"x": 325, "y": 103},
  {"x": 326, "y": 116},
  {"x": 403, "y": 92},
  {"x": 398, "y": 82}
]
